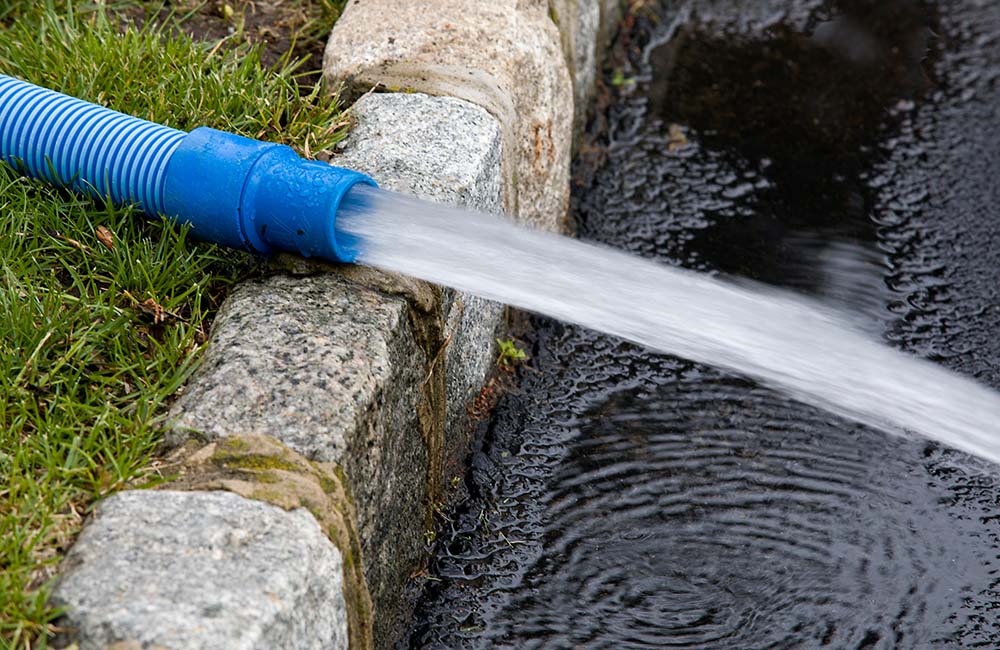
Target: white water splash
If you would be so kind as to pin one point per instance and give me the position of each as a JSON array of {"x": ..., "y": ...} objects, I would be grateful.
[{"x": 780, "y": 339}]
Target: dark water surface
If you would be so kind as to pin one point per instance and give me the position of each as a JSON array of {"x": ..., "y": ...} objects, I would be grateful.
[{"x": 621, "y": 499}]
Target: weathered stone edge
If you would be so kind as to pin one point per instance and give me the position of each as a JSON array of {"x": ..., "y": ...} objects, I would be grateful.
[{"x": 581, "y": 41}]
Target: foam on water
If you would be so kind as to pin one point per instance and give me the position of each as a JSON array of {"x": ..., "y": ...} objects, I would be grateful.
[{"x": 801, "y": 347}]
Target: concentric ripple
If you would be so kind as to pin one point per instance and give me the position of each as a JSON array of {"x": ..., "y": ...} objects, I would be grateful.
[{"x": 714, "y": 514}]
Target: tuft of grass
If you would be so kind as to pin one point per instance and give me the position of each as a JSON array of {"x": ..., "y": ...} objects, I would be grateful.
[
  {"x": 161, "y": 75},
  {"x": 103, "y": 314}
]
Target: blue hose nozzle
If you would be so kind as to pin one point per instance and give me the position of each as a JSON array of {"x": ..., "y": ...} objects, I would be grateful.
[{"x": 234, "y": 191}]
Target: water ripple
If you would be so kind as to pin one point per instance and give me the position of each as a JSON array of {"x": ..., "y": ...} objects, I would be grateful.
[{"x": 673, "y": 529}]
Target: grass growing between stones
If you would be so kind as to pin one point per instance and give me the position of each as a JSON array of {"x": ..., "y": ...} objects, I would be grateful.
[{"x": 103, "y": 314}]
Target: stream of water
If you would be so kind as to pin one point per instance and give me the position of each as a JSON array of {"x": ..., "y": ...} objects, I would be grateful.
[{"x": 795, "y": 344}]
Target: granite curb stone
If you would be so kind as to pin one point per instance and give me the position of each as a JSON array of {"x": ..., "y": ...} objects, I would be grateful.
[
  {"x": 202, "y": 571},
  {"x": 344, "y": 366},
  {"x": 505, "y": 56}
]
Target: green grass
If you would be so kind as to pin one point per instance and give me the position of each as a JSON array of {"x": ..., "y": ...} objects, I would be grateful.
[{"x": 94, "y": 339}]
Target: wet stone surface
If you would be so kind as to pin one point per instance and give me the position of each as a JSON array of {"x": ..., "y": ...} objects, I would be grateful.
[{"x": 622, "y": 499}]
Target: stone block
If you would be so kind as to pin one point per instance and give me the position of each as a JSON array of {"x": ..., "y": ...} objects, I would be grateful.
[
  {"x": 586, "y": 28},
  {"x": 505, "y": 56},
  {"x": 449, "y": 151},
  {"x": 202, "y": 571},
  {"x": 331, "y": 368},
  {"x": 437, "y": 148}
]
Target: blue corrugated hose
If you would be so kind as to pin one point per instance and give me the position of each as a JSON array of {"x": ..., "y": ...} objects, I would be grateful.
[{"x": 234, "y": 191}]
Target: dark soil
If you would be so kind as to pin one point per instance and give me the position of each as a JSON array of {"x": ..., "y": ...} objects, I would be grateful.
[{"x": 294, "y": 29}]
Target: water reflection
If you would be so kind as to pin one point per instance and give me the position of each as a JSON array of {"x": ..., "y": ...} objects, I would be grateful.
[{"x": 804, "y": 110}]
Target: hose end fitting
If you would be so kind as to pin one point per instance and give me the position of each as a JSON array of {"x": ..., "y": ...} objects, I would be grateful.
[{"x": 258, "y": 196}]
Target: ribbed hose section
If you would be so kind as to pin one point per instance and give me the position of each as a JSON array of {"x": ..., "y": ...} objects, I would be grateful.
[{"x": 84, "y": 147}]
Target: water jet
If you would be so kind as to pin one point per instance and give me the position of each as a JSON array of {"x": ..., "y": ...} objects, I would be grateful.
[{"x": 262, "y": 197}]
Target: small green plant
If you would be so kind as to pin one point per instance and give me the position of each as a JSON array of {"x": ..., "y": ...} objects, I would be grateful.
[
  {"x": 508, "y": 354},
  {"x": 618, "y": 79}
]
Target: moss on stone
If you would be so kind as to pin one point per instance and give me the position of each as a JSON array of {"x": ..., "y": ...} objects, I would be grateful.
[
  {"x": 257, "y": 462},
  {"x": 329, "y": 485},
  {"x": 233, "y": 444},
  {"x": 263, "y": 468},
  {"x": 338, "y": 471},
  {"x": 267, "y": 494}
]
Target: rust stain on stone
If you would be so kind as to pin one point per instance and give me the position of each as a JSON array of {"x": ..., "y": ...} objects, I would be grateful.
[{"x": 544, "y": 146}]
